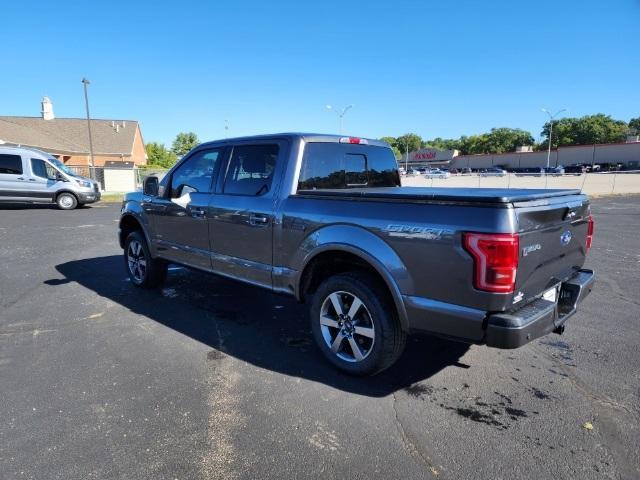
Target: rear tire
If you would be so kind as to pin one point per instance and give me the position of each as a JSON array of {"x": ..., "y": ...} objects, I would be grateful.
[
  {"x": 355, "y": 324},
  {"x": 66, "y": 201},
  {"x": 143, "y": 270}
]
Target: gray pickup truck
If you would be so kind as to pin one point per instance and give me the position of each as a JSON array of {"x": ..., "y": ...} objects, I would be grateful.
[{"x": 324, "y": 218}]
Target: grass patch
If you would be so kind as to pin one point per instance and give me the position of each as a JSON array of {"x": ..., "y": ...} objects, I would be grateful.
[{"x": 112, "y": 197}]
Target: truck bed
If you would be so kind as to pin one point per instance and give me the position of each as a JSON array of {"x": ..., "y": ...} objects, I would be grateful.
[{"x": 467, "y": 195}]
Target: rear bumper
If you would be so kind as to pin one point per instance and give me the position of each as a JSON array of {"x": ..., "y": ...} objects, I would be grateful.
[
  {"x": 499, "y": 330},
  {"x": 514, "y": 329}
]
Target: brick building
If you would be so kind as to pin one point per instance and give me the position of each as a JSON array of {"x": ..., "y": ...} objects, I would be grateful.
[{"x": 114, "y": 141}]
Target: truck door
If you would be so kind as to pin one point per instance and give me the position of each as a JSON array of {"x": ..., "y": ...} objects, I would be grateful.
[
  {"x": 241, "y": 214},
  {"x": 42, "y": 179},
  {"x": 179, "y": 228}
]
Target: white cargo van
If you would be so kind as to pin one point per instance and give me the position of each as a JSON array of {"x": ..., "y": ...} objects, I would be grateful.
[{"x": 30, "y": 175}]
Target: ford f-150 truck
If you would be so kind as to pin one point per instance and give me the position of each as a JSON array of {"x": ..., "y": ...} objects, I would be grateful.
[{"x": 324, "y": 218}]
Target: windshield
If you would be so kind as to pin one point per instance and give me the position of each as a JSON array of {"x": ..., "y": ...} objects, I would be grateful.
[{"x": 61, "y": 166}]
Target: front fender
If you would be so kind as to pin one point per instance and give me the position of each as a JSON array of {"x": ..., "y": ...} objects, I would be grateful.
[
  {"x": 364, "y": 244},
  {"x": 135, "y": 211}
]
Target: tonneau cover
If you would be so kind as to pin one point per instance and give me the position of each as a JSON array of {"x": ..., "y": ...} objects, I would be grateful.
[{"x": 481, "y": 195}]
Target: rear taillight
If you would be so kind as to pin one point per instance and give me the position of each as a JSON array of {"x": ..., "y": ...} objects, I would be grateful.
[
  {"x": 590, "y": 229},
  {"x": 495, "y": 258}
]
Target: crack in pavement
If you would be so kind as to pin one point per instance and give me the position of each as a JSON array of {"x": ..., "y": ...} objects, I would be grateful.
[
  {"x": 604, "y": 408},
  {"x": 409, "y": 444},
  {"x": 583, "y": 388}
]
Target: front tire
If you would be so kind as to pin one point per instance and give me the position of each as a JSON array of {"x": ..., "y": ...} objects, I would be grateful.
[
  {"x": 355, "y": 324},
  {"x": 66, "y": 201},
  {"x": 143, "y": 270}
]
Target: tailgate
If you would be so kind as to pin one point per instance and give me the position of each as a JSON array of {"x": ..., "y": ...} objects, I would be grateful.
[{"x": 552, "y": 243}]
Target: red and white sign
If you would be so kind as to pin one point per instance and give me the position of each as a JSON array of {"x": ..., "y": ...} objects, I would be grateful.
[{"x": 431, "y": 155}]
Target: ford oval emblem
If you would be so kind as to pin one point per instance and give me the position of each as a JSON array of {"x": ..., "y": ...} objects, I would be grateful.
[{"x": 565, "y": 238}]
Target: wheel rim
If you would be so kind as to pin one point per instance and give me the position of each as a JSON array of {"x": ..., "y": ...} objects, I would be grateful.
[
  {"x": 347, "y": 327},
  {"x": 136, "y": 261},
  {"x": 66, "y": 201}
]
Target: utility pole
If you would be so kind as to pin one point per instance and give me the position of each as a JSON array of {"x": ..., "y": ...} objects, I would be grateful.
[
  {"x": 86, "y": 82},
  {"x": 551, "y": 119}
]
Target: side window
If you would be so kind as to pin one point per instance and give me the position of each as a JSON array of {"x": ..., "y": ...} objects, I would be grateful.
[
  {"x": 251, "y": 169},
  {"x": 196, "y": 174},
  {"x": 42, "y": 169},
  {"x": 11, "y": 164}
]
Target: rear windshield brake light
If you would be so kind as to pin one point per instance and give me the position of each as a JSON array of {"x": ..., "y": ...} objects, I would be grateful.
[{"x": 355, "y": 140}]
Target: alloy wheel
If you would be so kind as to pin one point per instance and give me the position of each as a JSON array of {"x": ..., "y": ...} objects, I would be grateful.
[
  {"x": 346, "y": 326},
  {"x": 136, "y": 261}
]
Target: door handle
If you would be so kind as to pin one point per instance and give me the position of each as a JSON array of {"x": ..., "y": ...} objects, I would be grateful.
[
  {"x": 258, "y": 219},
  {"x": 20, "y": 178},
  {"x": 197, "y": 212},
  {"x": 32, "y": 179}
]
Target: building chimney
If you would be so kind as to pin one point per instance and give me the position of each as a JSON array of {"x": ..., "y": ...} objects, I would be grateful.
[{"x": 47, "y": 109}]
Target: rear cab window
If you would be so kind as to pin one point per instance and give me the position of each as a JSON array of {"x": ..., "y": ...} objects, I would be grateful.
[{"x": 339, "y": 166}]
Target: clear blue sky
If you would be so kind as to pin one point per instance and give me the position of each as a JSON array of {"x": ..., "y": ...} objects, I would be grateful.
[{"x": 441, "y": 68}]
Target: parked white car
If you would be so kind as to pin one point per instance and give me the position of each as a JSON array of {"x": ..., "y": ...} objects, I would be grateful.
[
  {"x": 436, "y": 173},
  {"x": 493, "y": 172}
]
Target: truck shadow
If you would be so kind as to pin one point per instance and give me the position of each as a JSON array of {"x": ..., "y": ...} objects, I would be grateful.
[{"x": 253, "y": 325}]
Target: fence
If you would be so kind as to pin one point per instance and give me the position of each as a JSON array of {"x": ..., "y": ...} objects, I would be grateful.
[
  {"x": 117, "y": 180},
  {"x": 604, "y": 183}
]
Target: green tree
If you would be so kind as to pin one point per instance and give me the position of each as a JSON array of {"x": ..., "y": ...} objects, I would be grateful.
[
  {"x": 503, "y": 140},
  {"x": 443, "y": 143},
  {"x": 410, "y": 140},
  {"x": 394, "y": 146},
  {"x": 634, "y": 126},
  {"x": 599, "y": 128},
  {"x": 159, "y": 156},
  {"x": 184, "y": 142},
  {"x": 473, "y": 144}
]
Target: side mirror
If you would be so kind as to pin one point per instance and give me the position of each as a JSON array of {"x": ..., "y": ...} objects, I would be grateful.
[
  {"x": 150, "y": 186},
  {"x": 60, "y": 177}
]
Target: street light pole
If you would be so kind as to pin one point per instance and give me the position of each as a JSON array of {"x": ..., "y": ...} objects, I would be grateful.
[
  {"x": 86, "y": 82},
  {"x": 551, "y": 119},
  {"x": 406, "y": 161},
  {"x": 340, "y": 114}
]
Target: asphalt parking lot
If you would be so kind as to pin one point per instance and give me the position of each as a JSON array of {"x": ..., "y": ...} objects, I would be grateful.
[{"x": 207, "y": 378}]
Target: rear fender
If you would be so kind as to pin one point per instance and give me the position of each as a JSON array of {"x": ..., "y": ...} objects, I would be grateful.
[{"x": 364, "y": 244}]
